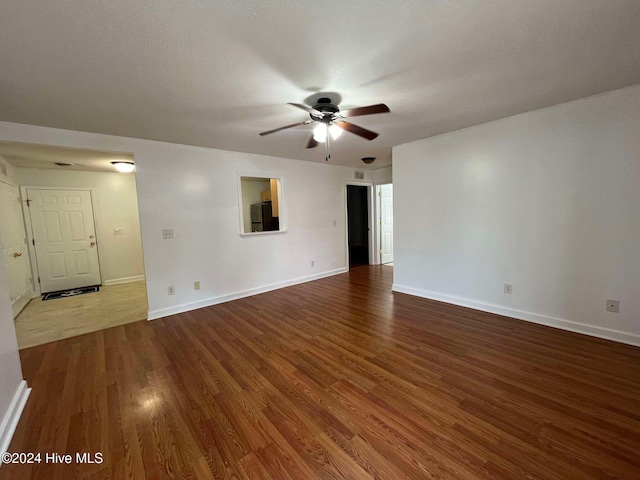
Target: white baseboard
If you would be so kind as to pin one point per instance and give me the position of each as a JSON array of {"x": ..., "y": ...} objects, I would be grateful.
[
  {"x": 118, "y": 281},
  {"x": 594, "y": 331},
  {"x": 165, "y": 312},
  {"x": 11, "y": 418}
]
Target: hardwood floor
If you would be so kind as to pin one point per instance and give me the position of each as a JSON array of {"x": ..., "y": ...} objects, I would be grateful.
[{"x": 337, "y": 378}]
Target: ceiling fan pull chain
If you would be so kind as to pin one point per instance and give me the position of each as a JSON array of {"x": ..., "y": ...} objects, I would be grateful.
[{"x": 328, "y": 144}]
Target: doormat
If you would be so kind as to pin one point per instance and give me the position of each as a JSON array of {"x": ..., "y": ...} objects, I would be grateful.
[{"x": 70, "y": 293}]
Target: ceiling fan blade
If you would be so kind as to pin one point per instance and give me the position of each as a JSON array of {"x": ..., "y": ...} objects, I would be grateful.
[
  {"x": 306, "y": 108},
  {"x": 312, "y": 143},
  {"x": 370, "y": 110},
  {"x": 362, "y": 132},
  {"x": 285, "y": 127}
]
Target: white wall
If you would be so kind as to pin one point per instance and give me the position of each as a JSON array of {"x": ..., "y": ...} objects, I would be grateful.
[
  {"x": 194, "y": 191},
  {"x": 116, "y": 206},
  {"x": 380, "y": 176},
  {"x": 548, "y": 201},
  {"x": 13, "y": 392},
  {"x": 197, "y": 197},
  {"x": 11, "y": 170}
]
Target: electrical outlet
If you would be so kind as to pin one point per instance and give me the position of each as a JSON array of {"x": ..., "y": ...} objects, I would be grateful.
[
  {"x": 167, "y": 234},
  {"x": 508, "y": 288},
  {"x": 171, "y": 290},
  {"x": 613, "y": 306},
  {"x": 334, "y": 223},
  {"x": 313, "y": 263},
  {"x": 196, "y": 285}
]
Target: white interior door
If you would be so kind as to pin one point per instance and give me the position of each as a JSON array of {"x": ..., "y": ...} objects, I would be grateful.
[
  {"x": 14, "y": 248},
  {"x": 65, "y": 238},
  {"x": 386, "y": 223}
]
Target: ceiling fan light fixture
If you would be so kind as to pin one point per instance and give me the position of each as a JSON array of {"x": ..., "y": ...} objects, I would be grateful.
[
  {"x": 320, "y": 133},
  {"x": 124, "y": 167},
  {"x": 335, "y": 131}
]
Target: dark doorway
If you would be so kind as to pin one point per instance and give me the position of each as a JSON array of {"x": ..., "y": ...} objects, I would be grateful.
[{"x": 358, "y": 221}]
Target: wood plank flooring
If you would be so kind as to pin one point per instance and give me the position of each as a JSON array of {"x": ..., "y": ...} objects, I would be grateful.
[{"x": 337, "y": 378}]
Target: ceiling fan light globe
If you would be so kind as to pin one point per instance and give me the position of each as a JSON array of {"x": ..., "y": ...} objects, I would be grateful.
[
  {"x": 335, "y": 131},
  {"x": 320, "y": 133}
]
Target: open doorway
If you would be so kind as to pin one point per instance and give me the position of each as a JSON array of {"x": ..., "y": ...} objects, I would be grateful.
[
  {"x": 385, "y": 223},
  {"x": 358, "y": 225},
  {"x": 82, "y": 231}
]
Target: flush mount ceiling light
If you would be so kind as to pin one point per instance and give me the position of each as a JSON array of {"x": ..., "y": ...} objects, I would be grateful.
[
  {"x": 124, "y": 167},
  {"x": 368, "y": 160},
  {"x": 331, "y": 122}
]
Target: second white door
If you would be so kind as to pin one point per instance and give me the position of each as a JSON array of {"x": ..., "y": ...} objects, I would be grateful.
[
  {"x": 14, "y": 248},
  {"x": 65, "y": 238},
  {"x": 386, "y": 223}
]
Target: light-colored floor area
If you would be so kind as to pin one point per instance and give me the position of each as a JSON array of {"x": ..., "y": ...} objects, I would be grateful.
[{"x": 46, "y": 321}]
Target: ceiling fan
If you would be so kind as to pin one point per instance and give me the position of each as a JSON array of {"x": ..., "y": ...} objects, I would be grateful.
[{"x": 330, "y": 122}]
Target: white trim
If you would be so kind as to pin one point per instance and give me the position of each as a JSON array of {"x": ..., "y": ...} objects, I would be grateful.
[
  {"x": 22, "y": 302},
  {"x": 186, "y": 307},
  {"x": 561, "y": 323},
  {"x": 378, "y": 231},
  {"x": 118, "y": 281},
  {"x": 282, "y": 208},
  {"x": 11, "y": 418},
  {"x": 256, "y": 234},
  {"x": 26, "y": 215}
]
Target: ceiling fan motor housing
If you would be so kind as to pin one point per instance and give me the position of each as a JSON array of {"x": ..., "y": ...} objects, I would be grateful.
[{"x": 328, "y": 112}]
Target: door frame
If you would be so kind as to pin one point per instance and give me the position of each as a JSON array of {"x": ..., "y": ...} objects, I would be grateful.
[
  {"x": 34, "y": 288},
  {"x": 26, "y": 212},
  {"x": 371, "y": 220}
]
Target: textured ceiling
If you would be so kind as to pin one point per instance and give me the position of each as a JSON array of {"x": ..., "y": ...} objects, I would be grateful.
[{"x": 216, "y": 73}]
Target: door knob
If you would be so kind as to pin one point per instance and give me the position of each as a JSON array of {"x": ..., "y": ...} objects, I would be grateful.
[
  {"x": 92, "y": 244},
  {"x": 17, "y": 254},
  {"x": 91, "y": 237}
]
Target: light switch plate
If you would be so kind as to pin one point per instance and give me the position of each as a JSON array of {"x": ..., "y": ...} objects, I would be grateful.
[
  {"x": 167, "y": 234},
  {"x": 118, "y": 231}
]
